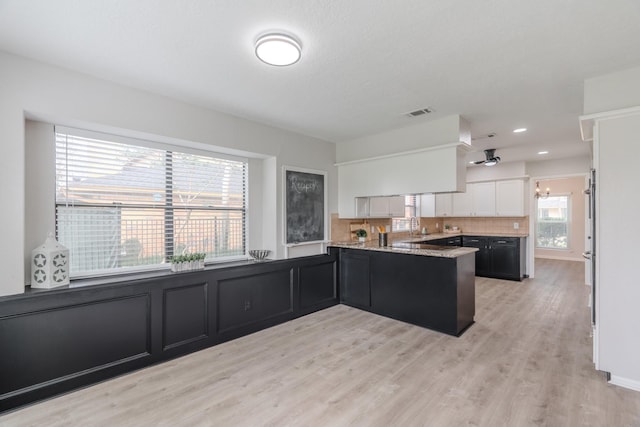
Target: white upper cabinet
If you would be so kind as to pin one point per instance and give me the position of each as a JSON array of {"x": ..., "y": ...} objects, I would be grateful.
[
  {"x": 396, "y": 206},
  {"x": 463, "y": 203},
  {"x": 362, "y": 207},
  {"x": 483, "y": 198},
  {"x": 510, "y": 200},
  {"x": 444, "y": 204},
  {"x": 478, "y": 200},
  {"x": 427, "y": 205},
  {"x": 383, "y": 207}
]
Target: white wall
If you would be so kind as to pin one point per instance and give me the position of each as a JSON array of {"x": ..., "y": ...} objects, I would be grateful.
[
  {"x": 447, "y": 130},
  {"x": 54, "y": 95},
  {"x": 559, "y": 167},
  {"x": 616, "y": 152},
  {"x": 612, "y": 92},
  {"x": 618, "y": 283}
]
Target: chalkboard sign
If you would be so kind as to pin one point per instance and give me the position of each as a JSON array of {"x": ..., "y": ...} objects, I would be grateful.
[{"x": 304, "y": 206}]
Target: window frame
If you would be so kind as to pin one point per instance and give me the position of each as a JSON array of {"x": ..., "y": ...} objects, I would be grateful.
[
  {"x": 403, "y": 224},
  {"x": 167, "y": 207},
  {"x": 567, "y": 222}
]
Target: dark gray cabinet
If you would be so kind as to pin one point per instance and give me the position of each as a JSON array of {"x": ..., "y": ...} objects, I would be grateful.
[
  {"x": 447, "y": 241},
  {"x": 434, "y": 292},
  {"x": 355, "y": 278},
  {"x": 59, "y": 340},
  {"x": 483, "y": 256},
  {"x": 253, "y": 298},
  {"x": 498, "y": 257}
]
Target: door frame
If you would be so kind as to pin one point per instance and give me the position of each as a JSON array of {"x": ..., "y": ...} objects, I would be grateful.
[{"x": 531, "y": 243}]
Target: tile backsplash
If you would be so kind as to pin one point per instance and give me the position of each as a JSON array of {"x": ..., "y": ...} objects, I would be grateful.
[{"x": 341, "y": 228}]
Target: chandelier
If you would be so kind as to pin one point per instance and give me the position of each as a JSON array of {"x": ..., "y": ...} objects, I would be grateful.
[{"x": 539, "y": 193}]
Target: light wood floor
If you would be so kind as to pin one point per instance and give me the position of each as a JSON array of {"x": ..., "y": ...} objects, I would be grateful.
[{"x": 526, "y": 361}]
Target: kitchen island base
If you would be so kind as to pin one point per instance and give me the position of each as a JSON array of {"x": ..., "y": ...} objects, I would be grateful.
[{"x": 434, "y": 292}]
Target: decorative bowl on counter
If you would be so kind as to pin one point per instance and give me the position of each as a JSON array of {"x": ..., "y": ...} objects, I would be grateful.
[{"x": 259, "y": 254}]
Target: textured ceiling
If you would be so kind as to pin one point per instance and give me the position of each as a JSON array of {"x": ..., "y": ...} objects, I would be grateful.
[{"x": 501, "y": 64}]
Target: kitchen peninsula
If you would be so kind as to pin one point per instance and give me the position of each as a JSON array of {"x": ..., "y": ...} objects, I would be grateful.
[{"x": 426, "y": 285}]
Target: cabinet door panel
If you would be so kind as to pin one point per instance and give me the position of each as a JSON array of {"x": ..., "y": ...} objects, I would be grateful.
[
  {"x": 510, "y": 198},
  {"x": 396, "y": 206},
  {"x": 250, "y": 299},
  {"x": 428, "y": 205},
  {"x": 317, "y": 284},
  {"x": 355, "y": 287},
  {"x": 444, "y": 204},
  {"x": 483, "y": 264},
  {"x": 463, "y": 203},
  {"x": 378, "y": 207},
  {"x": 483, "y": 198}
]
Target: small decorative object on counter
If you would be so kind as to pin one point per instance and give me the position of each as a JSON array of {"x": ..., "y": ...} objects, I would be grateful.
[
  {"x": 187, "y": 262},
  {"x": 49, "y": 265},
  {"x": 362, "y": 235},
  {"x": 424, "y": 230},
  {"x": 259, "y": 254}
]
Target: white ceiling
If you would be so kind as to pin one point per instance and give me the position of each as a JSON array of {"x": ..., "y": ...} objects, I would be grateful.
[{"x": 501, "y": 64}]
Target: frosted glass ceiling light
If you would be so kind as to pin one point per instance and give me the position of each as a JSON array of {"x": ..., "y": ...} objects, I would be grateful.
[{"x": 278, "y": 50}]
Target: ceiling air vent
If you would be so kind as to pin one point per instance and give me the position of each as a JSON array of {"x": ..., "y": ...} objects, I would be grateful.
[{"x": 420, "y": 112}]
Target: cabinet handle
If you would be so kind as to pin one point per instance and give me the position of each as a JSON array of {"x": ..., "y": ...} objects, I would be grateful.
[
  {"x": 474, "y": 240},
  {"x": 501, "y": 241}
]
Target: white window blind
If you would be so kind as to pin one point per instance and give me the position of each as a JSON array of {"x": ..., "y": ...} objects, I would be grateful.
[
  {"x": 410, "y": 209},
  {"x": 122, "y": 206}
]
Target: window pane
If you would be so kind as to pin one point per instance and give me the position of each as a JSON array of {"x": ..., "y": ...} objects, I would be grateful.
[
  {"x": 404, "y": 223},
  {"x": 552, "y": 228},
  {"x": 89, "y": 171},
  {"x": 126, "y": 206}
]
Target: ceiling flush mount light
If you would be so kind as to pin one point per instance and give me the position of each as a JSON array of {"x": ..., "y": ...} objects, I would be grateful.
[
  {"x": 278, "y": 49},
  {"x": 519, "y": 130}
]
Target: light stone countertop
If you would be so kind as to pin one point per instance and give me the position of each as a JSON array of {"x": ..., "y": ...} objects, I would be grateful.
[{"x": 452, "y": 252}]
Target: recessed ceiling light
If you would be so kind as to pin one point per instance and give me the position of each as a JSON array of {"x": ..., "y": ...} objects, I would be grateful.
[
  {"x": 519, "y": 130},
  {"x": 472, "y": 163},
  {"x": 278, "y": 49},
  {"x": 543, "y": 152}
]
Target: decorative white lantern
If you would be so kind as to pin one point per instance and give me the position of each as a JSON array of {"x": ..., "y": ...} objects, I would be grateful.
[{"x": 49, "y": 265}]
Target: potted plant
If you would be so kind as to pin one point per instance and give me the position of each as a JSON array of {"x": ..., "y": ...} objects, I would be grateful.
[
  {"x": 187, "y": 262},
  {"x": 361, "y": 234}
]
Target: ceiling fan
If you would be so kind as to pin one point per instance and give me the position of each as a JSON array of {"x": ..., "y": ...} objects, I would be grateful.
[{"x": 491, "y": 159}]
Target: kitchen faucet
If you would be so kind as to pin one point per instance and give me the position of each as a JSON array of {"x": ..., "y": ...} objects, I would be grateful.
[{"x": 413, "y": 221}]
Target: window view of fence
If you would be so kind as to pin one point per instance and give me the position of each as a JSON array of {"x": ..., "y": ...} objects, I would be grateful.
[
  {"x": 552, "y": 227},
  {"x": 125, "y": 206}
]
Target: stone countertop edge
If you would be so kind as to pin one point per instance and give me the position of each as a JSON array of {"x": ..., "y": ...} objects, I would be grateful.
[
  {"x": 434, "y": 236},
  {"x": 373, "y": 246}
]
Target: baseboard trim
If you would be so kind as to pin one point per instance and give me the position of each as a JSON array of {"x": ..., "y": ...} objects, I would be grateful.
[{"x": 625, "y": 382}]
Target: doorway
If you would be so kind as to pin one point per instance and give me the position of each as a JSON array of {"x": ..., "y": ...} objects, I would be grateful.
[{"x": 558, "y": 221}]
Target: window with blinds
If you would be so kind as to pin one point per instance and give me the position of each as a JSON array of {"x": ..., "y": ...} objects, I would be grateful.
[
  {"x": 410, "y": 214},
  {"x": 124, "y": 205}
]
